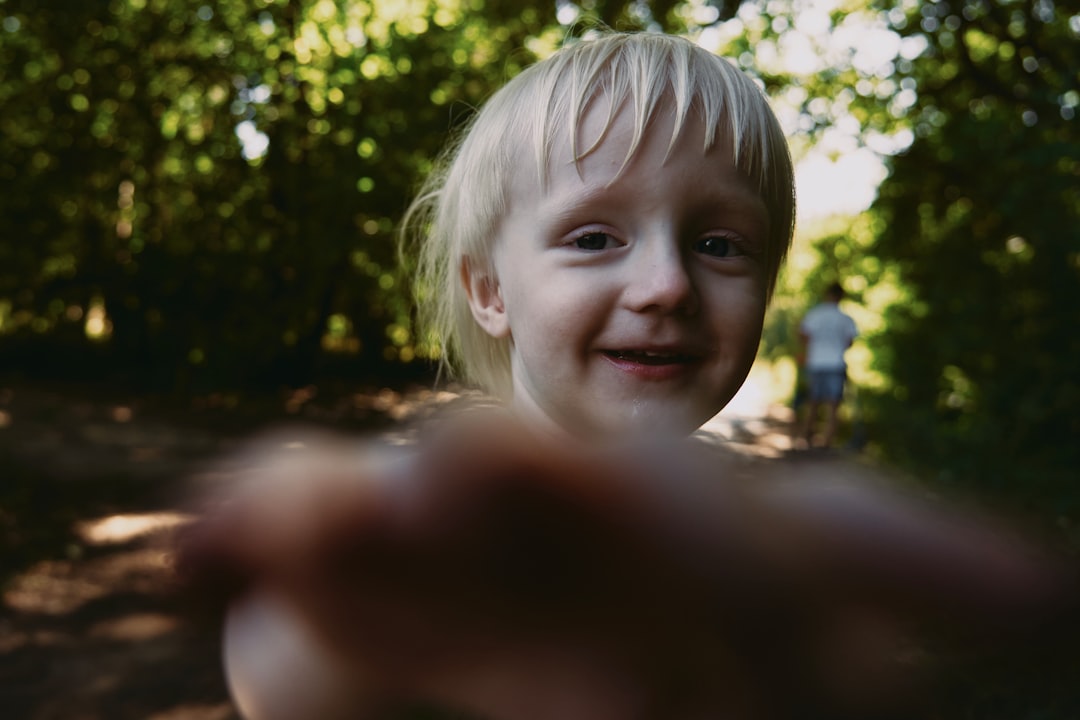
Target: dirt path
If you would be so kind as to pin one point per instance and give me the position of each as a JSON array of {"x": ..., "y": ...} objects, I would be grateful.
[
  {"x": 98, "y": 637},
  {"x": 88, "y": 627},
  {"x": 90, "y": 489}
]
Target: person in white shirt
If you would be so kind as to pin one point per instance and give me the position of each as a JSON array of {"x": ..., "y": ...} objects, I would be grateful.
[{"x": 826, "y": 332}]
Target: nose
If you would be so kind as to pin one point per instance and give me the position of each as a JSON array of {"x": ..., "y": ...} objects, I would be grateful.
[{"x": 660, "y": 280}]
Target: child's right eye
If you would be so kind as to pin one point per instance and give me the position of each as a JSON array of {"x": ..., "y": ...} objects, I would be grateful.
[{"x": 593, "y": 241}]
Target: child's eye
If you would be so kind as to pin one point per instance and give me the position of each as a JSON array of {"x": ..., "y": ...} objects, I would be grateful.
[
  {"x": 593, "y": 241},
  {"x": 718, "y": 246}
]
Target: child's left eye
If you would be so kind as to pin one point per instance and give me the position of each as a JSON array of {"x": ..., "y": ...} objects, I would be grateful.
[
  {"x": 593, "y": 241},
  {"x": 717, "y": 246}
]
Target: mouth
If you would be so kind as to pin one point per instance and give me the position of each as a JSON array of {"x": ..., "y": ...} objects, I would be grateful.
[{"x": 649, "y": 357}]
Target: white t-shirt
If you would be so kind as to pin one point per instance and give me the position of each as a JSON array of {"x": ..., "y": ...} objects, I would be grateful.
[{"x": 829, "y": 332}]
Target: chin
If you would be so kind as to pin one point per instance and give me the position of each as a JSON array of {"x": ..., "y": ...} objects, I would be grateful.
[{"x": 652, "y": 421}]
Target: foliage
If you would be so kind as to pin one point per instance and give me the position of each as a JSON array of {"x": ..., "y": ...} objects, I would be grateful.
[
  {"x": 979, "y": 216},
  {"x": 206, "y": 194},
  {"x": 964, "y": 272}
]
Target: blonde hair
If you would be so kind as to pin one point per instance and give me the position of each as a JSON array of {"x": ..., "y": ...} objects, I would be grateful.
[{"x": 455, "y": 216}]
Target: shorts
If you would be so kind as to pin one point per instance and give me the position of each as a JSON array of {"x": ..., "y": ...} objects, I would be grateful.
[{"x": 826, "y": 385}]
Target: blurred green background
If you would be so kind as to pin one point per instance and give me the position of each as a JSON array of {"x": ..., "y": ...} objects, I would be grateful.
[
  {"x": 198, "y": 203},
  {"x": 202, "y": 197}
]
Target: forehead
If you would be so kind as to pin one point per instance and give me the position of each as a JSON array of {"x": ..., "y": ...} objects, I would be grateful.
[
  {"x": 607, "y": 128},
  {"x": 612, "y": 145}
]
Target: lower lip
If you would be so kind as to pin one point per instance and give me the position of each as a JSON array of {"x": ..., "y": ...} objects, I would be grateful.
[{"x": 650, "y": 371}]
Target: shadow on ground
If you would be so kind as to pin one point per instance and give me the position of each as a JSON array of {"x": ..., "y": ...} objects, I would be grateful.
[{"x": 90, "y": 489}]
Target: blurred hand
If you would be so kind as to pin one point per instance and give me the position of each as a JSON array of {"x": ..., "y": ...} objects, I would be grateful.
[{"x": 497, "y": 573}]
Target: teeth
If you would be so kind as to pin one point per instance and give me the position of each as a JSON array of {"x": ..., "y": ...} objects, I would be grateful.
[{"x": 645, "y": 355}]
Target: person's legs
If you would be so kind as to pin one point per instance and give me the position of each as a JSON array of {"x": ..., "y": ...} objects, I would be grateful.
[
  {"x": 831, "y": 409},
  {"x": 824, "y": 387},
  {"x": 832, "y": 387},
  {"x": 807, "y": 431},
  {"x": 814, "y": 394}
]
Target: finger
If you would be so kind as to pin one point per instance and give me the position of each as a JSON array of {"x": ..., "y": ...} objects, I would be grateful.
[
  {"x": 939, "y": 561},
  {"x": 272, "y": 511}
]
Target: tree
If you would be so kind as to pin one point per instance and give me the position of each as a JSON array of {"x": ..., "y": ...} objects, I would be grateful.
[
  {"x": 980, "y": 217},
  {"x": 210, "y": 192}
]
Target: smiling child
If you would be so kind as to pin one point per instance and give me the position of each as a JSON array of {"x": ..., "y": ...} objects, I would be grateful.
[{"x": 603, "y": 242}]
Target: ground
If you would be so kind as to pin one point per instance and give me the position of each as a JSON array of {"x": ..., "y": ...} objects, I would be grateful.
[{"x": 92, "y": 486}]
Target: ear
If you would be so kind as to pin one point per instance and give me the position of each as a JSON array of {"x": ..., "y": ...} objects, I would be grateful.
[{"x": 485, "y": 300}]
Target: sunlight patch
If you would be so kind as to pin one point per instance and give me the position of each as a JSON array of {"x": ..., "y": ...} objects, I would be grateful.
[
  {"x": 221, "y": 711},
  {"x": 136, "y": 627},
  {"x": 116, "y": 529}
]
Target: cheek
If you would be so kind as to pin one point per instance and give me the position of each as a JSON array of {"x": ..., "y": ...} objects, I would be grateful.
[
  {"x": 737, "y": 311},
  {"x": 542, "y": 312}
]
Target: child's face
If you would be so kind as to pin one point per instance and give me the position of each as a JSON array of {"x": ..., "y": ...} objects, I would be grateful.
[{"x": 633, "y": 301}]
